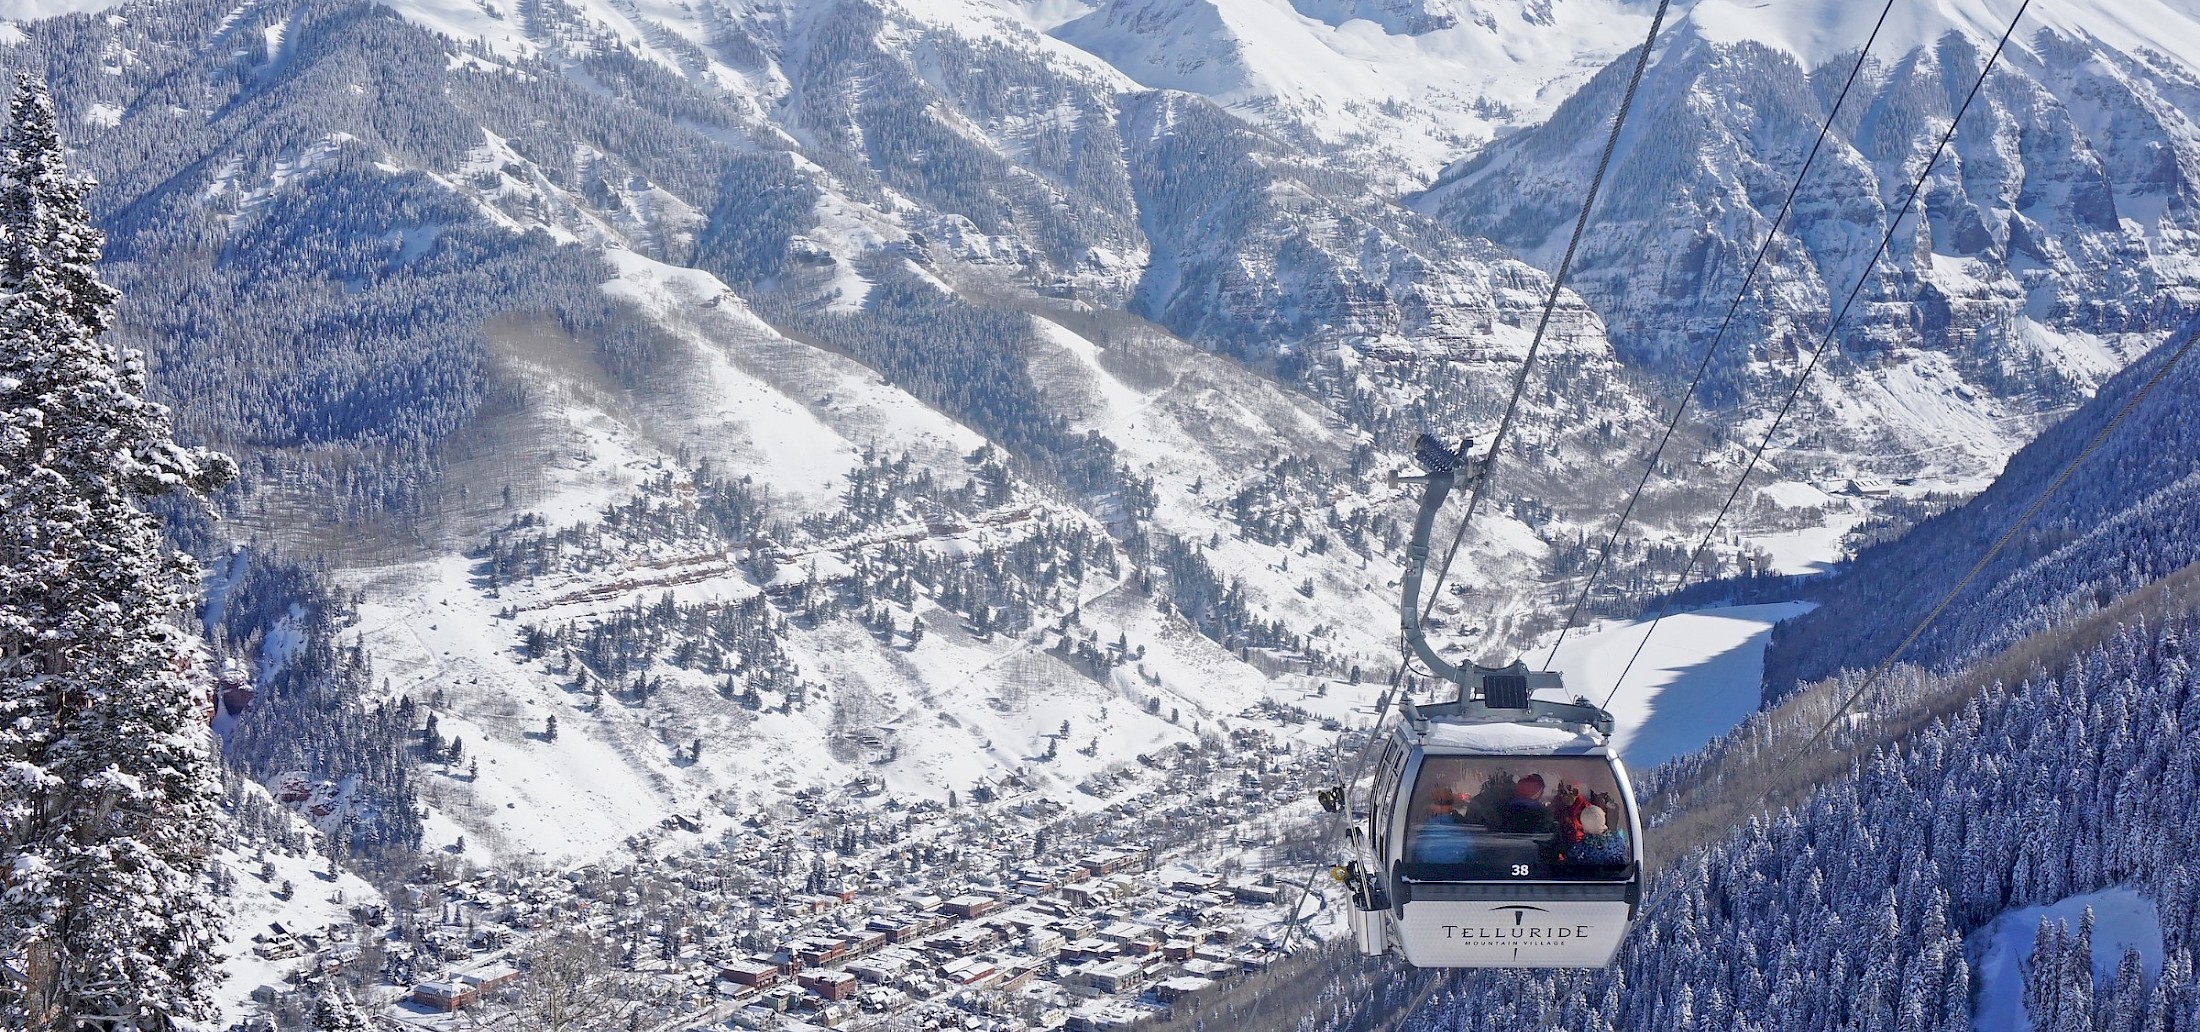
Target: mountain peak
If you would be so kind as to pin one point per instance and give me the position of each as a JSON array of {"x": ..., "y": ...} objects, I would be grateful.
[
  {"x": 1414, "y": 80},
  {"x": 1816, "y": 34}
]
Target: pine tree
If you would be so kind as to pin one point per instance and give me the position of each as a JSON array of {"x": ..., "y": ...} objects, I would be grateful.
[
  {"x": 334, "y": 1011},
  {"x": 2127, "y": 1002},
  {"x": 110, "y": 801},
  {"x": 2074, "y": 1012}
]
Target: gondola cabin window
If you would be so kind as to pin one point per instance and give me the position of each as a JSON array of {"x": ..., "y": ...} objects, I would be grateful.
[
  {"x": 1502, "y": 818},
  {"x": 1388, "y": 769}
]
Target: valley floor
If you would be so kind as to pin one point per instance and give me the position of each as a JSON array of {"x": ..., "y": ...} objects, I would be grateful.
[
  {"x": 1071, "y": 940},
  {"x": 1696, "y": 677}
]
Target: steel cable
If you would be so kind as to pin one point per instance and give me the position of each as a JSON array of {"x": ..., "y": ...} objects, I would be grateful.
[
  {"x": 1550, "y": 304},
  {"x": 1818, "y": 353},
  {"x": 1772, "y": 234},
  {"x": 1520, "y": 382},
  {"x": 2002, "y": 542}
]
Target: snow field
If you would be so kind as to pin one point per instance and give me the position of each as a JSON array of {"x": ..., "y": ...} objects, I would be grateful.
[
  {"x": 596, "y": 450},
  {"x": 1344, "y": 78},
  {"x": 1207, "y": 427},
  {"x": 317, "y": 901},
  {"x": 27, "y": 10},
  {"x": 1925, "y": 411},
  {"x": 2122, "y": 920},
  {"x": 1824, "y": 32},
  {"x": 575, "y": 797},
  {"x": 1699, "y": 675},
  {"x": 957, "y": 712},
  {"x": 805, "y": 415},
  {"x": 1810, "y": 550}
]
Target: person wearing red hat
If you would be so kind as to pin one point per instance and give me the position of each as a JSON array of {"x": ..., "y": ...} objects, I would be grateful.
[{"x": 1525, "y": 813}]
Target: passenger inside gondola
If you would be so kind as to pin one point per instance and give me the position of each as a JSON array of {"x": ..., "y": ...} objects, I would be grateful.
[
  {"x": 1441, "y": 835},
  {"x": 1566, "y": 809},
  {"x": 1535, "y": 825},
  {"x": 1489, "y": 801},
  {"x": 1601, "y": 841},
  {"x": 1524, "y": 813}
]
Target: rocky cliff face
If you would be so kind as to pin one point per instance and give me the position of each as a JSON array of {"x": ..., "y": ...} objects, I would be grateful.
[{"x": 2057, "y": 234}]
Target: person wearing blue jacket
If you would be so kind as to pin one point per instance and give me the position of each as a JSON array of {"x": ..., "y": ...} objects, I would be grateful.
[{"x": 1600, "y": 842}]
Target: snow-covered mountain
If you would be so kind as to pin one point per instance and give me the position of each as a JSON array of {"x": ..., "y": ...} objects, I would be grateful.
[
  {"x": 563, "y": 251},
  {"x": 1407, "y": 84},
  {"x": 835, "y": 306},
  {"x": 2122, "y": 523},
  {"x": 2057, "y": 238},
  {"x": 784, "y": 395}
]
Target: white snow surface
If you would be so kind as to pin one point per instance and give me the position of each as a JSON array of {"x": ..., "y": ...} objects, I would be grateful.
[
  {"x": 1809, "y": 550},
  {"x": 1816, "y": 33},
  {"x": 1343, "y": 81},
  {"x": 318, "y": 900},
  {"x": 1698, "y": 676},
  {"x": 574, "y": 796},
  {"x": 961, "y": 709},
  {"x": 795, "y": 417},
  {"x": 1813, "y": 549},
  {"x": 2122, "y": 920},
  {"x": 1507, "y": 739},
  {"x": 29, "y": 10}
]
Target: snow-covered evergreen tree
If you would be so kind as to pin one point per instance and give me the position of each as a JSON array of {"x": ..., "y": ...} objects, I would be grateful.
[
  {"x": 335, "y": 1011},
  {"x": 1854, "y": 911},
  {"x": 108, "y": 796}
]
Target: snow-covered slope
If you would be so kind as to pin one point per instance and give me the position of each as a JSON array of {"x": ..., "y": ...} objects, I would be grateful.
[
  {"x": 284, "y": 902},
  {"x": 1817, "y": 34},
  {"x": 2122, "y": 522},
  {"x": 2120, "y": 921},
  {"x": 798, "y": 396},
  {"x": 1696, "y": 677},
  {"x": 1411, "y": 82},
  {"x": 2058, "y": 239}
]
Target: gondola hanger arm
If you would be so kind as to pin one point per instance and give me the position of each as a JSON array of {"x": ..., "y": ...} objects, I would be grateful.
[{"x": 1503, "y": 688}]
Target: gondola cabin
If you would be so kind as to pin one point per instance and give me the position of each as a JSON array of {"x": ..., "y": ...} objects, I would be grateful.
[{"x": 1499, "y": 836}]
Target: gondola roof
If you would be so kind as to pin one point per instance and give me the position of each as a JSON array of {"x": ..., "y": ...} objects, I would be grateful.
[{"x": 1510, "y": 738}]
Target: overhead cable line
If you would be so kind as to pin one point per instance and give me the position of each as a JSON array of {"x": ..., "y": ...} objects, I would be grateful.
[
  {"x": 1985, "y": 559},
  {"x": 2002, "y": 542},
  {"x": 1520, "y": 383},
  {"x": 1824, "y": 342},
  {"x": 1550, "y": 304},
  {"x": 1344, "y": 814},
  {"x": 1772, "y": 234}
]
